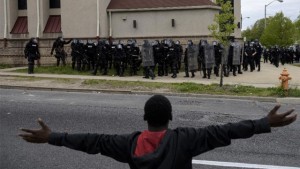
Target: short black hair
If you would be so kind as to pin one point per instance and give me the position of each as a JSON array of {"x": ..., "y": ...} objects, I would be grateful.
[{"x": 158, "y": 111}]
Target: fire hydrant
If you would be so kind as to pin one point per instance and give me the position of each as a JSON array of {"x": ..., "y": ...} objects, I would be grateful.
[{"x": 285, "y": 79}]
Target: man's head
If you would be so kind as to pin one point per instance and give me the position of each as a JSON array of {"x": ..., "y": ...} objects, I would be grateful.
[{"x": 158, "y": 111}]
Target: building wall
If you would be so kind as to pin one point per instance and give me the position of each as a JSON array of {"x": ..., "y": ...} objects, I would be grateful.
[
  {"x": 159, "y": 23},
  {"x": 44, "y": 15},
  {"x": 104, "y": 21},
  {"x": 238, "y": 18},
  {"x": 79, "y": 18},
  {"x": 2, "y": 7},
  {"x": 12, "y": 15},
  {"x": 32, "y": 17}
]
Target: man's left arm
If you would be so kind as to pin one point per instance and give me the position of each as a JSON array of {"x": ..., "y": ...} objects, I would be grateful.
[{"x": 208, "y": 138}]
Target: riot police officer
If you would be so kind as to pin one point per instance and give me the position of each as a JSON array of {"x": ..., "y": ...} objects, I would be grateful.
[
  {"x": 60, "y": 53},
  {"x": 119, "y": 59},
  {"x": 258, "y": 54},
  {"x": 75, "y": 46},
  {"x": 250, "y": 53},
  {"x": 101, "y": 60},
  {"x": 134, "y": 59},
  {"x": 218, "y": 58},
  {"x": 191, "y": 59},
  {"x": 165, "y": 57},
  {"x": 32, "y": 53},
  {"x": 179, "y": 52},
  {"x": 202, "y": 60},
  {"x": 158, "y": 57},
  {"x": 90, "y": 51},
  {"x": 173, "y": 59},
  {"x": 148, "y": 59}
]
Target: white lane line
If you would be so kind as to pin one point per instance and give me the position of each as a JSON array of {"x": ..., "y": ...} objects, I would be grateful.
[{"x": 240, "y": 165}]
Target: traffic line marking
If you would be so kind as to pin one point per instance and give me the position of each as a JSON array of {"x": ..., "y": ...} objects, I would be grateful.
[{"x": 240, "y": 165}]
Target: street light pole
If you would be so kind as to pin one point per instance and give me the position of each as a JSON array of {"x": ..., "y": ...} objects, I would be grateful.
[
  {"x": 266, "y": 10},
  {"x": 242, "y": 20}
]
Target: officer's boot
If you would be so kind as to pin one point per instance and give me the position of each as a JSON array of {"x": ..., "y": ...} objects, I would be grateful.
[
  {"x": 146, "y": 73},
  {"x": 151, "y": 74},
  {"x": 209, "y": 73},
  {"x": 234, "y": 70},
  {"x": 193, "y": 74},
  {"x": 240, "y": 69}
]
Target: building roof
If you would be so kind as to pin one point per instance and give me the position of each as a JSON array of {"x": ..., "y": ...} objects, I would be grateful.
[
  {"x": 53, "y": 24},
  {"x": 21, "y": 26},
  {"x": 152, "y": 4}
]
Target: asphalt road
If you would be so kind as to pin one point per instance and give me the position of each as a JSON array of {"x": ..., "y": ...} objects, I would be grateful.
[{"x": 119, "y": 114}]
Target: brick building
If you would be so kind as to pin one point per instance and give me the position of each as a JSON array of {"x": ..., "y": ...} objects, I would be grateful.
[{"x": 93, "y": 19}]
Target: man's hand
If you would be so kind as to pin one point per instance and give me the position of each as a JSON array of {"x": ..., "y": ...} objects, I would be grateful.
[
  {"x": 279, "y": 120},
  {"x": 37, "y": 136}
]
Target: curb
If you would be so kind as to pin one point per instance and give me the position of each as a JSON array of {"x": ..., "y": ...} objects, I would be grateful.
[
  {"x": 66, "y": 90},
  {"x": 262, "y": 99}
]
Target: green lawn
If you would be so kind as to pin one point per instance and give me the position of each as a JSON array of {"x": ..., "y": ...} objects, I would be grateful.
[
  {"x": 4, "y": 66},
  {"x": 191, "y": 88}
]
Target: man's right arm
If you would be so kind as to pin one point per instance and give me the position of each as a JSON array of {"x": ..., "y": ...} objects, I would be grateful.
[{"x": 115, "y": 146}]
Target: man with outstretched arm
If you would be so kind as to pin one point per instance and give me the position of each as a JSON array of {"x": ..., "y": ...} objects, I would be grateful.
[{"x": 160, "y": 147}]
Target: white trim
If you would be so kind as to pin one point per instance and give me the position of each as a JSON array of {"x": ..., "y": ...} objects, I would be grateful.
[
  {"x": 110, "y": 24},
  {"x": 167, "y": 8},
  {"x": 5, "y": 19},
  {"x": 98, "y": 19},
  {"x": 240, "y": 165},
  {"x": 38, "y": 18}
]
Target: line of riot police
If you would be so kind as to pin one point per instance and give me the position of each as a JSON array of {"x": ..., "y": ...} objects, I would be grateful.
[
  {"x": 284, "y": 55},
  {"x": 207, "y": 58},
  {"x": 164, "y": 56}
]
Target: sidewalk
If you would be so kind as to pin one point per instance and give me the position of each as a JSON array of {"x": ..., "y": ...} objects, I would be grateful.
[{"x": 268, "y": 77}]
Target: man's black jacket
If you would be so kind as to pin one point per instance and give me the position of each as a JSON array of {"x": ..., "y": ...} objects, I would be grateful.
[{"x": 175, "y": 151}]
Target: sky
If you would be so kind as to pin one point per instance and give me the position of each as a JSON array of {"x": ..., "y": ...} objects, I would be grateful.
[{"x": 255, "y": 9}]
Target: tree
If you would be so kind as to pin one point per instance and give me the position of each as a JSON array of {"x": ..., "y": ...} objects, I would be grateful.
[
  {"x": 297, "y": 30},
  {"x": 279, "y": 31},
  {"x": 247, "y": 33},
  {"x": 258, "y": 29},
  {"x": 223, "y": 27}
]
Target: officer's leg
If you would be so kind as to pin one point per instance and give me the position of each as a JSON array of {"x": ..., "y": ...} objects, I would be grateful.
[
  {"x": 193, "y": 74},
  {"x": 30, "y": 65},
  {"x": 209, "y": 72},
  {"x": 204, "y": 71},
  {"x": 174, "y": 69},
  {"x": 166, "y": 69},
  {"x": 146, "y": 72},
  {"x": 234, "y": 70},
  {"x": 58, "y": 61},
  {"x": 240, "y": 69},
  {"x": 64, "y": 59},
  {"x": 186, "y": 70}
]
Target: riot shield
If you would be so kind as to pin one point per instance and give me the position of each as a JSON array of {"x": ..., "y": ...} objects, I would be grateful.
[
  {"x": 147, "y": 55},
  {"x": 236, "y": 54},
  {"x": 209, "y": 55},
  {"x": 225, "y": 53},
  {"x": 193, "y": 52}
]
